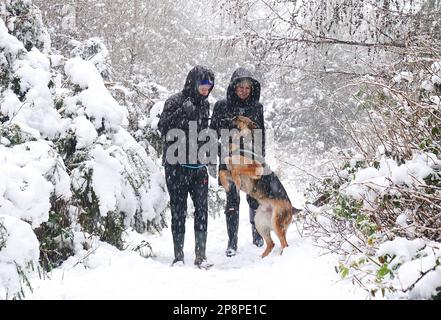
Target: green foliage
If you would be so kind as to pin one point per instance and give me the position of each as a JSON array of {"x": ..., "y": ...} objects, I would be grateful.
[
  {"x": 383, "y": 271},
  {"x": 350, "y": 209},
  {"x": 347, "y": 207},
  {"x": 352, "y": 168},
  {"x": 28, "y": 26},
  {"x": 66, "y": 147},
  {"x": 14, "y": 134},
  {"x": 324, "y": 191},
  {"x": 154, "y": 139},
  {"x": 433, "y": 179},
  {"x": 342, "y": 270},
  {"x": 22, "y": 274},
  {"x": 431, "y": 144},
  {"x": 366, "y": 225},
  {"x": 3, "y": 235},
  {"x": 5, "y": 75},
  {"x": 108, "y": 228},
  {"x": 55, "y": 236},
  {"x": 58, "y": 104},
  {"x": 16, "y": 88},
  {"x": 389, "y": 200}
]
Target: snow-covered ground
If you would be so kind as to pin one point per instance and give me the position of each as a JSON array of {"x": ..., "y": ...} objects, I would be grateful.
[{"x": 300, "y": 273}]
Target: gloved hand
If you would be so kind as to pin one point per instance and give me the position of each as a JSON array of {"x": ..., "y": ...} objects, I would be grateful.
[{"x": 189, "y": 109}]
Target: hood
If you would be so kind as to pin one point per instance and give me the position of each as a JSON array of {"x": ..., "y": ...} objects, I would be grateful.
[
  {"x": 239, "y": 74},
  {"x": 197, "y": 74}
]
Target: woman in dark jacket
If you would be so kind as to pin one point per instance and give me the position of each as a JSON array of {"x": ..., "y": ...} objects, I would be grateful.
[
  {"x": 243, "y": 96},
  {"x": 183, "y": 172}
]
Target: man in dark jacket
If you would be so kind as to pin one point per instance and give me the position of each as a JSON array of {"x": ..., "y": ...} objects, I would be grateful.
[
  {"x": 185, "y": 112},
  {"x": 243, "y": 96}
]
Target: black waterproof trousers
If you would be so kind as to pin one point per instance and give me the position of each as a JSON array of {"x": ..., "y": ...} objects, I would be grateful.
[{"x": 180, "y": 182}]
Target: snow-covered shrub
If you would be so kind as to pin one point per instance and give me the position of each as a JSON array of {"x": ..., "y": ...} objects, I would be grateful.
[
  {"x": 119, "y": 187},
  {"x": 68, "y": 165},
  {"x": 115, "y": 181},
  {"x": 144, "y": 100},
  {"x": 394, "y": 194},
  {"x": 34, "y": 186},
  {"x": 12, "y": 134},
  {"x": 19, "y": 252},
  {"x": 24, "y": 21},
  {"x": 94, "y": 51},
  {"x": 399, "y": 268}
]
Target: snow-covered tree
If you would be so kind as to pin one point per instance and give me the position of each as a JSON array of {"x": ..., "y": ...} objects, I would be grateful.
[
  {"x": 160, "y": 39},
  {"x": 314, "y": 53},
  {"x": 69, "y": 166}
]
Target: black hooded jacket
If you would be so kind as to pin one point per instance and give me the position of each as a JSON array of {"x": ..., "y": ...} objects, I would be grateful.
[
  {"x": 224, "y": 110},
  {"x": 173, "y": 115}
]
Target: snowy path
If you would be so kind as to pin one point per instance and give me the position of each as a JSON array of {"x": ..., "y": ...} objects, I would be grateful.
[{"x": 300, "y": 273}]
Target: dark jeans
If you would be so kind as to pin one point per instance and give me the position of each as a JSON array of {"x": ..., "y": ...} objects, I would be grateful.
[
  {"x": 232, "y": 215},
  {"x": 233, "y": 201},
  {"x": 181, "y": 181}
]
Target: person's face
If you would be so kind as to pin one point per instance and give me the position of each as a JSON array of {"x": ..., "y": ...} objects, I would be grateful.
[
  {"x": 204, "y": 89},
  {"x": 243, "y": 90}
]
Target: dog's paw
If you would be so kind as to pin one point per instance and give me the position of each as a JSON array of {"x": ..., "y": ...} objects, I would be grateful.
[{"x": 244, "y": 120}]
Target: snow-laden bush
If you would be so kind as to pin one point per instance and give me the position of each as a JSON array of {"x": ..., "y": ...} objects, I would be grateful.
[
  {"x": 30, "y": 173},
  {"x": 34, "y": 186},
  {"x": 392, "y": 191},
  {"x": 28, "y": 99},
  {"x": 399, "y": 268},
  {"x": 19, "y": 252},
  {"x": 367, "y": 204},
  {"x": 116, "y": 183},
  {"x": 94, "y": 51},
  {"x": 25, "y": 23},
  {"x": 67, "y": 163}
]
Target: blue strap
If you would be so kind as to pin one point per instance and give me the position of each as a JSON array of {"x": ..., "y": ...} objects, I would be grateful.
[{"x": 193, "y": 166}]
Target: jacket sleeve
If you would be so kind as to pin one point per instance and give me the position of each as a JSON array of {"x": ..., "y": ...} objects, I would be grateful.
[
  {"x": 172, "y": 116},
  {"x": 216, "y": 124},
  {"x": 262, "y": 126},
  {"x": 215, "y": 118}
]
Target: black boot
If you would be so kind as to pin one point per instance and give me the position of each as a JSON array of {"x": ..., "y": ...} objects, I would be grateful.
[
  {"x": 178, "y": 244},
  {"x": 232, "y": 218},
  {"x": 257, "y": 238},
  {"x": 200, "y": 261}
]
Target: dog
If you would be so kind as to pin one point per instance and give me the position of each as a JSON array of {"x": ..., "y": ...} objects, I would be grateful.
[
  {"x": 245, "y": 126},
  {"x": 275, "y": 211}
]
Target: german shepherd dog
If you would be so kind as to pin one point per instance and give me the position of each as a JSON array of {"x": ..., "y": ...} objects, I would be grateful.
[{"x": 275, "y": 211}]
